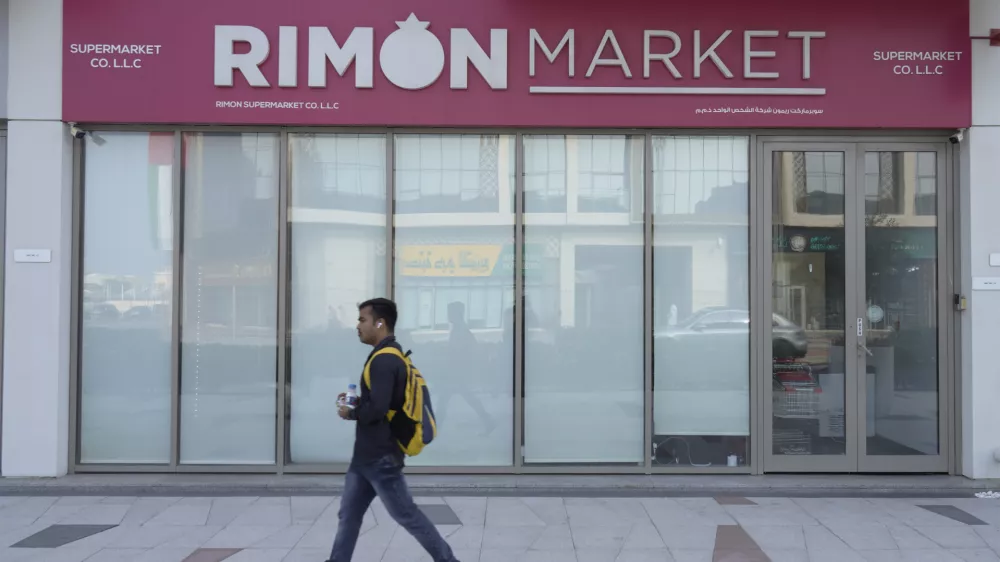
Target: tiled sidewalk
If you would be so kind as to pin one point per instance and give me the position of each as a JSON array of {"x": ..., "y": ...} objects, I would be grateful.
[{"x": 300, "y": 529}]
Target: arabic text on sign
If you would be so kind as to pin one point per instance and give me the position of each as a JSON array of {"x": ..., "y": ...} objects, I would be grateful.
[
  {"x": 449, "y": 261},
  {"x": 760, "y": 110}
]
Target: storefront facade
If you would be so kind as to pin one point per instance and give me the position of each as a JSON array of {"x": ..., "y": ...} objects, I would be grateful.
[{"x": 667, "y": 239}]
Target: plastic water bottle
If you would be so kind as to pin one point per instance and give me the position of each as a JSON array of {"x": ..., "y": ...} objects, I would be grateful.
[{"x": 351, "y": 399}]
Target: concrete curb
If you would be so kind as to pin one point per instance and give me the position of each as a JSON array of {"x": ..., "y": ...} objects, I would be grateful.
[
  {"x": 508, "y": 486},
  {"x": 217, "y": 491}
]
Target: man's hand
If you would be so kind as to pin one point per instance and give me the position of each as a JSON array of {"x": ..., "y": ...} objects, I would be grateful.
[{"x": 343, "y": 411}]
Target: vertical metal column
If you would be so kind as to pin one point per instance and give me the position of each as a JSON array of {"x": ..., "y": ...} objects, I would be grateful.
[
  {"x": 282, "y": 335},
  {"x": 954, "y": 197},
  {"x": 946, "y": 288},
  {"x": 758, "y": 225},
  {"x": 177, "y": 308},
  {"x": 854, "y": 266},
  {"x": 647, "y": 300},
  {"x": 390, "y": 213},
  {"x": 518, "y": 445},
  {"x": 76, "y": 276}
]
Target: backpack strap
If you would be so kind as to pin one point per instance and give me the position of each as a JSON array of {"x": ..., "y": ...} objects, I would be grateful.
[{"x": 366, "y": 375}]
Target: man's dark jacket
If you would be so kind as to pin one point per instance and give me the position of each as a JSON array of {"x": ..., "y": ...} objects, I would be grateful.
[{"x": 373, "y": 437}]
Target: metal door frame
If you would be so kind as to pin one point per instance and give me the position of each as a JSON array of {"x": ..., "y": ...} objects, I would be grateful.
[
  {"x": 847, "y": 462},
  {"x": 910, "y": 463},
  {"x": 3, "y": 263}
]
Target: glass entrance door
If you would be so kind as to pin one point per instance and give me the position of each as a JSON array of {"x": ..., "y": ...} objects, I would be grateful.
[
  {"x": 855, "y": 303},
  {"x": 809, "y": 397}
]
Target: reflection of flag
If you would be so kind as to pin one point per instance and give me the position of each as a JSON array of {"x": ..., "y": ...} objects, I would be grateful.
[{"x": 160, "y": 185}]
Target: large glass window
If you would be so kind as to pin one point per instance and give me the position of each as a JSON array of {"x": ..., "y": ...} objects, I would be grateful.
[
  {"x": 127, "y": 296},
  {"x": 337, "y": 261},
  {"x": 701, "y": 291},
  {"x": 228, "y": 401},
  {"x": 448, "y": 259},
  {"x": 583, "y": 312},
  {"x": 454, "y": 280}
]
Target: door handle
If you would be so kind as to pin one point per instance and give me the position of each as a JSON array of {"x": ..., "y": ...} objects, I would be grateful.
[{"x": 864, "y": 347}]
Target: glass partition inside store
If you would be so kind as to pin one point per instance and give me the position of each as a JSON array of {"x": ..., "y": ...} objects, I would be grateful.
[{"x": 622, "y": 301}]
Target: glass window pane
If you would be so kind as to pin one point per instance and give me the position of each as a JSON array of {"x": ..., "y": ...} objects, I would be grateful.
[
  {"x": 230, "y": 287},
  {"x": 454, "y": 243},
  {"x": 925, "y": 198},
  {"x": 127, "y": 298},
  {"x": 901, "y": 303},
  {"x": 701, "y": 331},
  {"x": 456, "y": 172},
  {"x": 337, "y": 261},
  {"x": 545, "y": 175},
  {"x": 808, "y": 378},
  {"x": 884, "y": 175},
  {"x": 583, "y": 346},
  {"x": 341, "y": 175},
  {"x": 604, "y": 177},
  {"x": 817, "y": 186}
]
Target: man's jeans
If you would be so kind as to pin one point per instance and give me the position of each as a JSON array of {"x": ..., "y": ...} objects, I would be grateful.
[{"x": 384, "y": 478}]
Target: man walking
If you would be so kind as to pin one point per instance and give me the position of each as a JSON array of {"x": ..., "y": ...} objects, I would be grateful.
[{"x": 377, "y": 466}]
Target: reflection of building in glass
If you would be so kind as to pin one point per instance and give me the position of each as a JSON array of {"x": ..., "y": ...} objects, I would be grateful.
[
  {"x": 230, "y": 261},
  {"x": 701, "y": 289},
  {"x": 899, "y": 185},
  {"x": 900, "y": 224},
  {"x": 229, "y": 296},
  {"x": 604, "y": 191},
  {"x": 584, "y": 197}
]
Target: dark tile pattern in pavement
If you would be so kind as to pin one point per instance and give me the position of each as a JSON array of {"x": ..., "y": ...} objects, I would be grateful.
[
  {"x": 440, "y": 514},
  {"x": 55, "y": 536},
  {"x": 740, "y": 556},
  {"x": 952, "y": 512},
  {"x": 504, "y": 529},
  {"x": 733, "y": 544},
  {"x": 211, "y": 554}
]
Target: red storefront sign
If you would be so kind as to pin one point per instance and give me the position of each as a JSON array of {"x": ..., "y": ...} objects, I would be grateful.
[{"x": 521, "y": 63}]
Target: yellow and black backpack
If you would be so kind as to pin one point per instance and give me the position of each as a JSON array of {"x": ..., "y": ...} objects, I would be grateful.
[{"x": 416, "y": 427}]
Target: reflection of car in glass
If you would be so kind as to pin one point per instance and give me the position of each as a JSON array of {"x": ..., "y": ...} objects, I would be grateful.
[
  {"x": 101, "y": 311},
  {"x": 787, "y": 339},
  {"x": 712, "y": 323},
  {"x": 138, "y": 313}
]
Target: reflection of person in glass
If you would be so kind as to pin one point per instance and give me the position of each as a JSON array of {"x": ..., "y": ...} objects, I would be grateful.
[
  {"x": 530, "y": 323},
  {"x": 464, "y": 358}
]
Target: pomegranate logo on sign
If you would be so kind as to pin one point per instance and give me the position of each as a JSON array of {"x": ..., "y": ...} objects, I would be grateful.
[{"x": 412, "y": 57}]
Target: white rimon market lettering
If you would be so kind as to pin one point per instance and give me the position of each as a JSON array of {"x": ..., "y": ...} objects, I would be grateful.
[{"x": 413, "y": 58}]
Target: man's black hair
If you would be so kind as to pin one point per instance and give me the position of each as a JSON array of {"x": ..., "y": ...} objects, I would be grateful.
[{"x": 383, "y": 310}]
